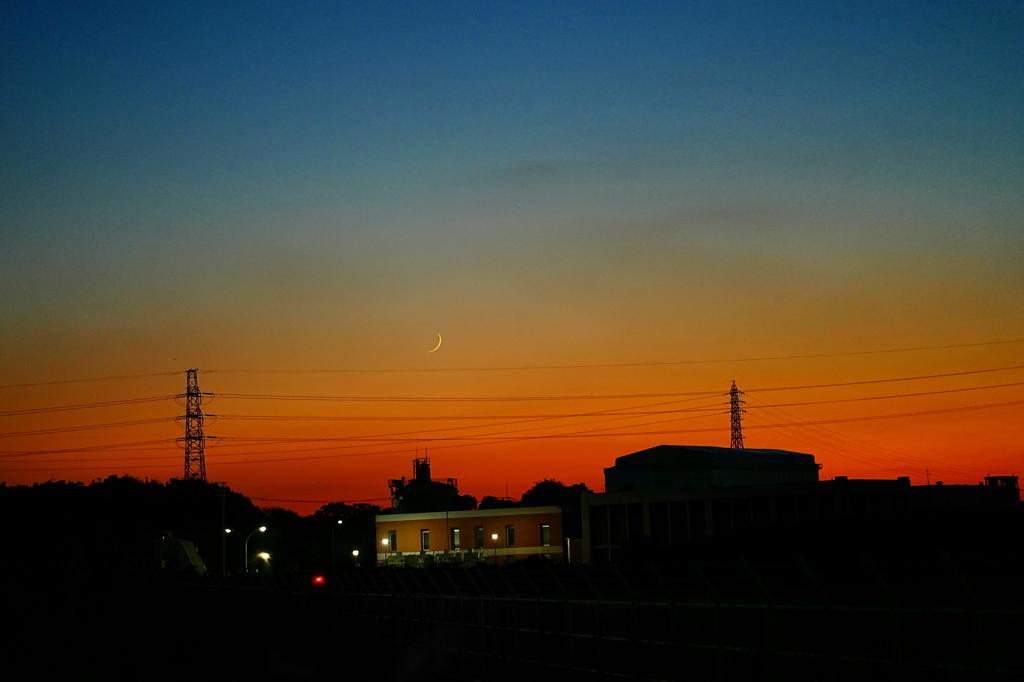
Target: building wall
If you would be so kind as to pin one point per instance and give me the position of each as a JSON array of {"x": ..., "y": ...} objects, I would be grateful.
[
  {"x": 526, "y": 523},
  {"x": 674, "y": 468},
  {"x": 617, "y": 522}
]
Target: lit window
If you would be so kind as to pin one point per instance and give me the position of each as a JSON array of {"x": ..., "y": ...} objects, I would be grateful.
[
  {"x": 478, "y": 537},
  {"x": 510, "y": 536},
  {"x": 456, "y": 540},
  {"x": 393, "y": 540},
  {"x": 425, "y": 540},
  {"x": 545, "y": 535}
]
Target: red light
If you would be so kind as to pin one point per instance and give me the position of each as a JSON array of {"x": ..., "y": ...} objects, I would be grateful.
[{"x": 318, "y": 580}]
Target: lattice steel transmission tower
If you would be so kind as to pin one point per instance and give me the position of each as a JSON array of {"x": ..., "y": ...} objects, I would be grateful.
[
  {"x": 736, "y": 413},
  {"x": 195, "y": 441}
]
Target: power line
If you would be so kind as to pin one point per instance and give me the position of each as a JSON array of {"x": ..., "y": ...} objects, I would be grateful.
[
  {"x": 878, "y": 456},
  {"x": 102, "y": 467},
  {"x": 616, "y": 412},
  {"x": 521, "y": 417},
  {"x": 614, "y": 365},
  {"x": 613, "y": 396},
  {"x": 39, "y": 432},
  {"x": 122, "y": 460},
  {"x": 408, "y": 399},
  {"x": 887, "y": 381},
  {"x": 899, "y": 395},
  {"x": 258, "y": 417},
  {"x": 82, "y": 381},
  {"x": 360, "y": 440},
  {"x": 697, "y": 395},
  {"x": 86, "y": 406},
  {"x": 620, "y": 413},
  {"x": 495, "y": 439},
  {"x": 525, "y": 367},
  {"x": 91, "y": 448}
]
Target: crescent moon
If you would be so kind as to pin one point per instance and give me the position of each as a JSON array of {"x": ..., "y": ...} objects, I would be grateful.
[{"x": 438, "y": 343}]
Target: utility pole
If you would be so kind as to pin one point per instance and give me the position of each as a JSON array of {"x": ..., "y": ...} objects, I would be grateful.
[
  {"x": 736, "y": 412},
  {"x": 195, "y": 441},
  {"x": 223, "y": 487}
]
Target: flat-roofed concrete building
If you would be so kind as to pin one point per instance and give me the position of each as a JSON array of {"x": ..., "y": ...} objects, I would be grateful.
[
  {"x": 677, "y": 468},
  {"x": 671, "y": 496},
  {"x": 616, "y": 523}
]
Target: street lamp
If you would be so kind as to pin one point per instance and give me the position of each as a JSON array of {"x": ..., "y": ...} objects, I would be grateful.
[
  {"x": 385, "y": 543},
  {"x": 332, "y": 543},
  {"x": 494, "y": 536},
  {"x": 355, "y": 557},
  {"x": 266, "y": 559},
  {"x": 261, "y": 529}
]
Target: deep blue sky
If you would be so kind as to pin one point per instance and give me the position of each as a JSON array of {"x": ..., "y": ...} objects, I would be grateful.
[{"x": 332, "y": 184}]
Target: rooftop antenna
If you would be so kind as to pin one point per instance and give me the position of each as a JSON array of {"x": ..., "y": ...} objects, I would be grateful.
[{"x": 736, "y": 414}]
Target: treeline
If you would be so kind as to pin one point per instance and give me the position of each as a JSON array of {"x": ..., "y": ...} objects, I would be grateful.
[{"x": 112, "y": 525}]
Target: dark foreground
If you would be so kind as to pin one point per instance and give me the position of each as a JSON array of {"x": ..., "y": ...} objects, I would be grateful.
[{"x": 707, "y": 620}]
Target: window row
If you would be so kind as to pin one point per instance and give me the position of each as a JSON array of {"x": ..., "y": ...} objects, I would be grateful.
[{"x": 478, "y": 538}]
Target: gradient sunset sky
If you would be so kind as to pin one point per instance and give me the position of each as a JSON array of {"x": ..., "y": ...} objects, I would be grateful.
[{"x": 607, "y": 210}]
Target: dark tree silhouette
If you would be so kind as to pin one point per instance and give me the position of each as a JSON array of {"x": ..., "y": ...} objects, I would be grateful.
[
  {"x": 111, "y": 525},
  {"x": 492, "y": 502},
  {"x": 465, "y": 503},
  {"x": 551, "y": 492},
  {"x": 356, "y": 532}
]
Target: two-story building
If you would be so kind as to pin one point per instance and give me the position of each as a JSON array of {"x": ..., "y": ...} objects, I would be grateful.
[{"x": 470, "y": 537}]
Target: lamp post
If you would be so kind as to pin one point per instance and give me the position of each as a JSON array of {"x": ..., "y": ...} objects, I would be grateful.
[
  {"x": 332, "y": 544},
  {"x": 494, "y": 536},
  {"x": 261, "y": 529},
  {"x": 223, "y": 538},
  {"x": 266, "y": 560},
  {"x": 355, "y": 557},
  {"x": 385, "y": 543}
]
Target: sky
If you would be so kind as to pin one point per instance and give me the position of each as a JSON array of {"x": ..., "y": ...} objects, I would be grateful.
[{"x": 606, "y": 211}]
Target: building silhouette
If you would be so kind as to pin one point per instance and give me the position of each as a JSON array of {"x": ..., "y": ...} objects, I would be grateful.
[
  {"x": 676, "y": 468},
  {"x": 668, "y": 498},
  {"x": 660, "y": 501},
  {"x": 422, "y": 493}
]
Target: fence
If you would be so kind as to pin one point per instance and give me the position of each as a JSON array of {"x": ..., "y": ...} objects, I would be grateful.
[
  {"x": 705, "y": 621},
  {"x": 853, "y": 620}
]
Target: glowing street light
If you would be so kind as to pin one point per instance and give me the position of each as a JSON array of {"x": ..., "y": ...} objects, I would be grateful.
[
  {"x": 385, "y": 543},
  {"x": 266, "y": 559},
  {"x": 261, "y": 529},
  {"x": 332, "y": 542},
  {"x": 355, "y": 557},
  {"x": 494, "y": 536}
]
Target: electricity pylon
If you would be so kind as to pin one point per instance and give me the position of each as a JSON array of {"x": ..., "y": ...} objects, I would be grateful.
[
  {"x": 195, "y": 441},
  {"x": 735, "y": 411}
]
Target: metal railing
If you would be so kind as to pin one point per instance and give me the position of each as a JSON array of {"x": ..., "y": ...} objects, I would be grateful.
[{"x": 702, "y": 621}]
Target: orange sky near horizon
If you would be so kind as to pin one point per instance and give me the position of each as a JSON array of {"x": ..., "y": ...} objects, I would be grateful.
[
  {"x": 476, "y": 425},
  {"x": 613, "y": 208}
]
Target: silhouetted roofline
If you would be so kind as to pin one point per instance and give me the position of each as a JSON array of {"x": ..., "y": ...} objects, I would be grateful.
[
  {"x": 710, "y": 455},
  {"x": 471, "y": 513}
]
